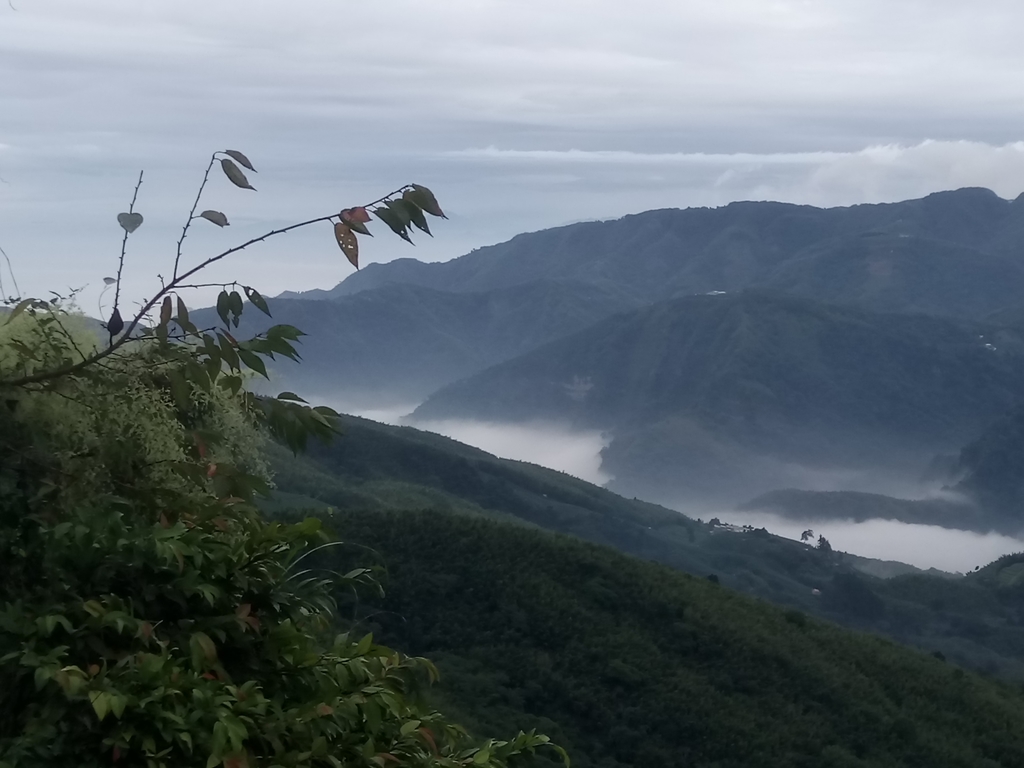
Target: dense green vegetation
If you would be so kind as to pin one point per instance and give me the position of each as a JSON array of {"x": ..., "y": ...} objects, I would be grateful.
[
  {"x": 977, "y": 621},
  {"x": 150, "y": 616},
  {"x": 631, "y": 663}
]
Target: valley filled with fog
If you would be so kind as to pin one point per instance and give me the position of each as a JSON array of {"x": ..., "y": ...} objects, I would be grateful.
[{"x": 578, "y": 453}]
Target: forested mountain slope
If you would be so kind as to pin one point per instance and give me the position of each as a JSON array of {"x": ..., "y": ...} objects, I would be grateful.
[
  {"x": 402, "y": 342},
  {"x": 627, "y": 663},
  {"x": 977, "y": 621},
  {"x": 396, "y": 332},
  {"x": 721, "y": 396}
]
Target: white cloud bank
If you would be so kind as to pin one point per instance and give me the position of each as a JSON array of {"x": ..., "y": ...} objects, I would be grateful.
[{"x": 598, "y": 108}]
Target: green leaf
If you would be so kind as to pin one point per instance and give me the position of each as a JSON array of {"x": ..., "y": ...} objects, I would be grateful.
[
  {"x": 401, "y": 210},
  {"x": 235, "y": 304},
  {"x": 215, "y": 217},
  {"x": 21, "y": 307},
  {"x": 408, "y": 727},
  {"x": 290, "y": 396},
  {"x": 415, "y": 212},
  {"x": 394, "y": 223},
  {"x": 100, "y": 701},
  {"x": 227, "y": 351},
  {"x": 180, "y": 390},
  {"x": 129, "y": 221},
  {"x": 253, "y": 361},
  {"x": 425, "y": 199},
  {"x": 235, "y": 175},
  {"x": 364, "y": 645},
  {"x": 223, "y": 307},
  {"x": 182, "y": 314},
  {"x": 240, "y": 158}
]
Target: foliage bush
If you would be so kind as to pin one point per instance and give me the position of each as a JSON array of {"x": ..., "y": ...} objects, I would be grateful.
[{"x": 149, "y": 616}]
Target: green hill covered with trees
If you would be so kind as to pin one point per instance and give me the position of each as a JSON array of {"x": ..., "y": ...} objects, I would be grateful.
[
  {"x": 974, "y": 621},
  {"x": 631, "y": 663},
  {"x": 725, "y": 397}
]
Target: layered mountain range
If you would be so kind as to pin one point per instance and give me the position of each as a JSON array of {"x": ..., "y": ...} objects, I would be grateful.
[{"x": 725, "y": 352}]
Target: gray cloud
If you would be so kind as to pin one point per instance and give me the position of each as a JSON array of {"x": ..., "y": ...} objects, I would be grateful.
[{"x": 520, "y": 114}]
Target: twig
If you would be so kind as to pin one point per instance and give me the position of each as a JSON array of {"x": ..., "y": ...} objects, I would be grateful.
[
  {"x": 124, "y": 244},
  {"x": 167, "y": 289},
  {"x": 192, "y": 214},
  {"x": 207, "y": 285},
  {"x": 10, "y": 269}
]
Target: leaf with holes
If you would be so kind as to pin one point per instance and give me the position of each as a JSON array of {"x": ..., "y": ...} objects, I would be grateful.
[
  {"x": 347, "y": 241},
  {"x": 235, "y": 175},
  {"x": 215, "y": 217},
  {"x": 257, "y": 300}
]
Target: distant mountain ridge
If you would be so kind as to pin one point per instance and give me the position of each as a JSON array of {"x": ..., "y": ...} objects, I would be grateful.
[
  {"x": 937, "y": 254},
  {"x": 401, "y": 342},
  {"x": 698, "y": 392}
]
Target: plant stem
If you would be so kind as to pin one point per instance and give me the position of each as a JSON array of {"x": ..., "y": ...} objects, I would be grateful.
[{"x": 124, "y": 243}]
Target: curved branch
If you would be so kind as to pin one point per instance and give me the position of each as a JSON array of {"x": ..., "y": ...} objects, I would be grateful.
[
  {"x": 192, "y": 214},
  {"x": 124, "y": 243},
  {"x": 176, "y": 282}
]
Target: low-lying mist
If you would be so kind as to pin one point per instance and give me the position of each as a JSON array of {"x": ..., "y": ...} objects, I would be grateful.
[
  {"x": 924, "y": 546},
  {"x": 578, "y": 453}
]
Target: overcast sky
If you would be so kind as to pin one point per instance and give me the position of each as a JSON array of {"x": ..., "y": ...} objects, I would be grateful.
[{"x": 520, "y": 115}]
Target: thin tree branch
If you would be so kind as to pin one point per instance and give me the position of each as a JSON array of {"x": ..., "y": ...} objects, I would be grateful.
[
  {"x": 124, "y": 244},
  {"x": 192, "y": 214},
  {"x": 167, "y": 289},
  {"x": 11, "y": 270}
]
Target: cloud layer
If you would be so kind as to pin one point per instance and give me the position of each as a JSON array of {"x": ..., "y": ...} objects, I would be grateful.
[{"x": 521, "y": 115}]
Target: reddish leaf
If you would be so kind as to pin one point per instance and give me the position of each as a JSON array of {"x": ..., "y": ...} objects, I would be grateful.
[
  {"x": 356, "y": 223},
  {"x": 164, "y": 522},
  {"x": 243, "y": 610},
  {"x": 429, "y": 738},
  {"x": 359, "y": 214},
  {"x": 349, "y": 244},
  {"x": 324, "y": 710}
]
